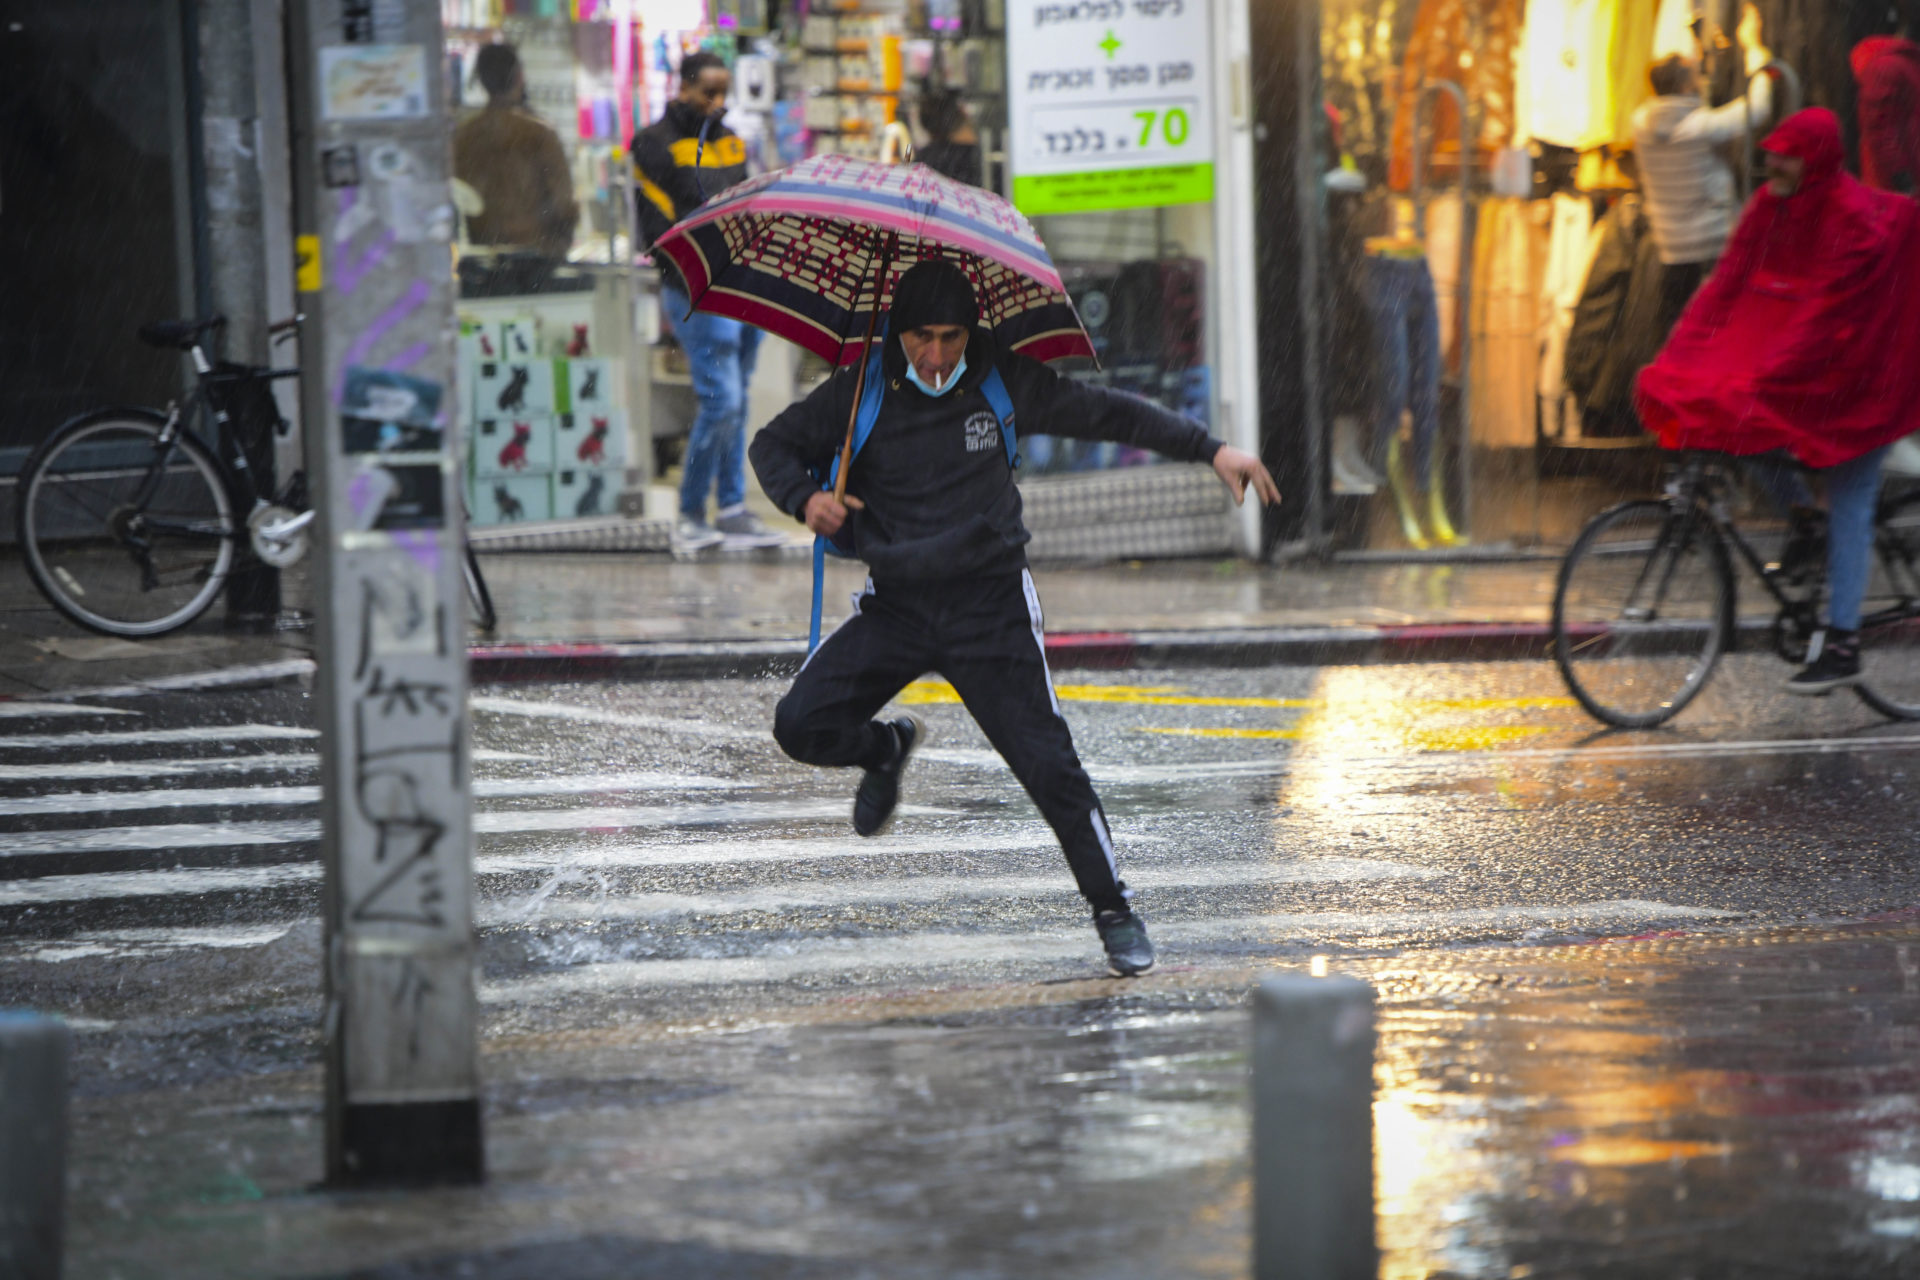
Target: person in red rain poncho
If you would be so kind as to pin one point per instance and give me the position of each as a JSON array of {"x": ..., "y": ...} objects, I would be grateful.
[{"x": 1804, "y": 341}]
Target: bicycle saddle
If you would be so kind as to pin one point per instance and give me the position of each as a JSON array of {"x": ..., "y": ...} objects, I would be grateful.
[{"x": 178, "y": 334}]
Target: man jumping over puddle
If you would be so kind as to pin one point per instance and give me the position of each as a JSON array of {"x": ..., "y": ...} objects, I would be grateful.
[{"x": 932, "y": 508}]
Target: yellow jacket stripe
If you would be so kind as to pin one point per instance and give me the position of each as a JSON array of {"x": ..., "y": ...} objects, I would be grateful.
[
  {"x": 720, "y": 153},
  {"x": 661, "y": 200}
]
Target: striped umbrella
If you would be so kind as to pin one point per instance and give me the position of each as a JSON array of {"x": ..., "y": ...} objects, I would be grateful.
[{"x": 812, "y": 252}]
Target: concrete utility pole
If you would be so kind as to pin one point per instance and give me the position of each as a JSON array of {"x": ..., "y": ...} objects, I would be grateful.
[{"x": 374, "y": 223}]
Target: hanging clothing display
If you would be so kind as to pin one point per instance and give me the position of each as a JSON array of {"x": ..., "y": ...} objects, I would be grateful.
[
  {"x": 1571, "y": 243},
  {"x": 1616, "y": 325},
  {"x": 1629, "y": 59},
  {"x": 1406, "y": 356},
  {"x": 1565, "y": 60},
  {"x": 1470, "y": 42},
  {"x": 1887, "y": 70},
  {"x": 1803, "y": 339},
  {"x": 1509, "y": 258},
  {"x": 1447, "y": 222},
  {"x": 1358, "y": 64}
]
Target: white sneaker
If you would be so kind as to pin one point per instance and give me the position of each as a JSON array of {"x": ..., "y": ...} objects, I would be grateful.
[
  {"x": 691, "y": 535},
  {"x": 741, "y": 528}
]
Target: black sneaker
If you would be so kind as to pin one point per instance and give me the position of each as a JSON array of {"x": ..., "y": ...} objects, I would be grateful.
[
  {"x": 1129, "y": 950},
  {"x": 879, "y": 790},
  {"x": 1835, "y": 664}
]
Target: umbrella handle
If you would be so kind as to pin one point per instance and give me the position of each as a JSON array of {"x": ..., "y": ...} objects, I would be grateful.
[{"x": 860, "y": 383}]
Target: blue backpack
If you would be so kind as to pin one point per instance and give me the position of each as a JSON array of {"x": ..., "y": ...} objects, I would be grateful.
[{"x": 992, "y": 386}]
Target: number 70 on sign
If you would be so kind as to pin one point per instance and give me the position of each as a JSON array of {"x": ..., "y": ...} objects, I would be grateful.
[{"x": 1116, "y": 133}]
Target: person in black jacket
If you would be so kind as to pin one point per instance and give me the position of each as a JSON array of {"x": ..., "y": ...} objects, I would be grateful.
[
  {"x": 681, "y": 161},
  {"x": 932, "y": 508}
]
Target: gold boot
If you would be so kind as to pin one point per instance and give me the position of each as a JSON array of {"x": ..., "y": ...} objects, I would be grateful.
[
  {"x": 1403, "y": 498},
  {"x": 1443, "y": 530}
]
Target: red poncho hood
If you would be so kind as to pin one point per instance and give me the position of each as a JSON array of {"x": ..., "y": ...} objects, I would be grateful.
[{"x": 1805, "y": 336}]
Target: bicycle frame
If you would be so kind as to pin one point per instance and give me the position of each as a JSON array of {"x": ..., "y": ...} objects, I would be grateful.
[
  {"x": 229, "y": 452},
  {"x": 1701, "y": 485}
]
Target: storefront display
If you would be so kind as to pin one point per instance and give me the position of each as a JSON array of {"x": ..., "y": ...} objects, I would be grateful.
[{"x": 1550, "y": 294}]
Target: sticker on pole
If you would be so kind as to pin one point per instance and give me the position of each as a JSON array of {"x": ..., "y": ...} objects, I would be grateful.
[
  {"x": 373, "y": 82},
  {"x": 306, "y": 264},
  {"x": 1111, "y": 104}
]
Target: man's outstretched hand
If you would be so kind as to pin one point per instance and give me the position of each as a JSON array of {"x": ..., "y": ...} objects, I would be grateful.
[
  {"x": 825, "y": 516},
  {"x": 1241, "y": 470}
]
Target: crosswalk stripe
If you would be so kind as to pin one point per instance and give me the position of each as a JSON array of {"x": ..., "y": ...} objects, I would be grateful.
[
  {"x": 33, "y": 710},
  {"x": 141, "y": 737},
  {"x": 238, "y": 797},
  {"x": 191, "y": 835},
  {"x": 542, "y": 907},
  {"x": 82, "y": 770},
  {"x": 1145, "y": 877},
  {"x": 191, "y": 881},
  {"x": 619, "y": 719},
  {"x": 892, "y": 952}
]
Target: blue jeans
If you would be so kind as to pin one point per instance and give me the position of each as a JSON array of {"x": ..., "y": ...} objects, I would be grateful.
[
  {"x": 1853, "y": 491},
  {"x": 720, "y": 353},
  {"x": 1406, "y": 345}
]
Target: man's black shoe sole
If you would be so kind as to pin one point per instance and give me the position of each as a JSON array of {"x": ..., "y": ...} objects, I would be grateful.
[{"x": 1811, "y": 690}]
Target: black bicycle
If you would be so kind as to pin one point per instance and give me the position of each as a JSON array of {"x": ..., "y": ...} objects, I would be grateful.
[
  {"x": 1645, "y": 604},
  {"x": 130, "y": 523}
]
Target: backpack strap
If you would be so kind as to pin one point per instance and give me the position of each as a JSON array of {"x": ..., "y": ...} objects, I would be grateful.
[
  {"x": 994, "y": 388},
  {"x": 863, "y": 419}
]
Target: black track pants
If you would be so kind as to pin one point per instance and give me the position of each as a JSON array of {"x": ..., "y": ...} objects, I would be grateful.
[{"x": 984, "y": 636}]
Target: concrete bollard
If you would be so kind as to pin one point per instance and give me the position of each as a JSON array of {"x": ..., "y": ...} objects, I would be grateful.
[
  {"x": 33, "y": 1145},
  {"x": 1313, "y": 1043}
]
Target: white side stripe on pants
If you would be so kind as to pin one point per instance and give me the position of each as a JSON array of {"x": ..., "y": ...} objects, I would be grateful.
[{"x": 1040, "y": 640}]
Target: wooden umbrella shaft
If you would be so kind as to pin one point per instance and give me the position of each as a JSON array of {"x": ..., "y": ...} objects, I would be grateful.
[{"x": 860, "y": 382}]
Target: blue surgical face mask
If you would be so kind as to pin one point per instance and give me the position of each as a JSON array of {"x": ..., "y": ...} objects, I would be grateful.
[{"x": 953, "y": 379}]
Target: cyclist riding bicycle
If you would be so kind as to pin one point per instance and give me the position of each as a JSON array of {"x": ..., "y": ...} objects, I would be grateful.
[{"x": 1803, "y": 342}]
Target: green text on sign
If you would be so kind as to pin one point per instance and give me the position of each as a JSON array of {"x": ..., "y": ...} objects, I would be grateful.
[{"x": 1089, "y": 192}]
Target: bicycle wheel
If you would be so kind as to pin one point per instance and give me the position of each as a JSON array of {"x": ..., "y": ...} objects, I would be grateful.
[
  {"x": 1890, "y": 625},
  {"x": 1642, "y": 611},
  {"x": 477, "y": 594},
  {"x": 119, "y": 541}
]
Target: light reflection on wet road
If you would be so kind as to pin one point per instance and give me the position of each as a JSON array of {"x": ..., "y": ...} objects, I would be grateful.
[{"x": 659, "y": 887}]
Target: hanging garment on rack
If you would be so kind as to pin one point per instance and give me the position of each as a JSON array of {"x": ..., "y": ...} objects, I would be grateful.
[
  {"x": 1472, "y": 43},
  {"x": 1616, "y": 325},
  {"x": 1629, "y": 58},
  {"x": 1357, "y": 37},
  {"x": 1565, "y": 59},
  {"x": 1888, "y": 71},
  {"x": 1444, "y": 230},
  {"x": 1509, "y": 256},
  {"x": 1406, "y": 332},
  {"x": 1571, "y": 243},
  {"x": 1673, "y": 30}
]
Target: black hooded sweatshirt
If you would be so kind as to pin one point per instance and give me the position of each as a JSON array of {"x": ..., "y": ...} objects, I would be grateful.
[{"x": 940, "y": 498}]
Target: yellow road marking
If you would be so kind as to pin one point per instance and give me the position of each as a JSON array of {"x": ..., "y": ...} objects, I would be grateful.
[
  {"x": 1473, "y": 738},
  {"x": 1226, "y": 733},
  {"x": 933, "y": 692}
]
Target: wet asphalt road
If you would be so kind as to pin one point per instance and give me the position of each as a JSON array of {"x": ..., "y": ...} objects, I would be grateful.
[{"x": 650, "y": 865}]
